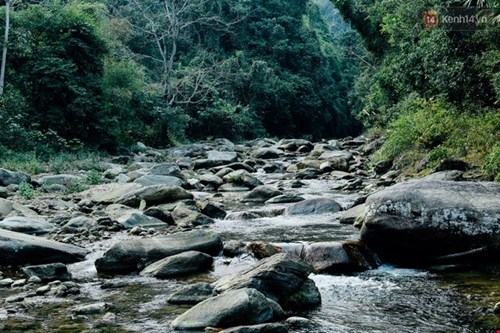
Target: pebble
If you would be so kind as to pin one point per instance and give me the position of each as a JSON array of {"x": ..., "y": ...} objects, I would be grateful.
[
  {"x": 43, "y": 290},
  {"x": 6, "y": 283}
]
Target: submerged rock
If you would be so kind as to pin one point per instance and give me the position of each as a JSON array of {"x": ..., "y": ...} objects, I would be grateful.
[
  {"x": 314, "y": 206},
  {"x": 20, "y": 249},
  {"x": 133, "y": 255},
  {"x": 192, "y": 294},
  {"x": 420, "y": 221},
  {"x": 233, "y": 308}
]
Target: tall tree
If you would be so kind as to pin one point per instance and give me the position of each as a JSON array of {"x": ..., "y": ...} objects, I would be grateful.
[{"x": 5, "y": 45}]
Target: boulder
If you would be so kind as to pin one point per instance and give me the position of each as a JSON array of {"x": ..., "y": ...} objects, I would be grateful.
[
  {"x": 255, "y": 214},
  {"x": 192, "y": 294},
  {"x": 242, "y": 178},
  {"x": 129, "y": 217},
  {"x": 149, "y": 180},
  {"x": 338, "y": 257},
  {"x": 261, "y": 194},
  {"x": 212, "y": 210},
  {"x": 20, "y": 249},
  {"x": 27, "y": 225},
  {"x": 285, "y": 198},
  {"x": 339, "y": 159},
  {"x": 8, "y": 177},
  {"x": 211, "y": 180},
  {"x": 237, "y": 307},
  {"x": 419, "y": 221},
  {"x": 10, "y": 208},
  {"x": 133, "y": 255},
  {"x": 181, "y": 264},
  {"x": 108, "y": 193},
  {"x": 268, "y": 153},
  {"x": 166, "y": 169},
  {"x": 156, "y": 194},
  {"x": 79, "y": 223},
  {"x": 186, "y": 217},
  {"x": 314, "y": 206},
  {"x": 63, "y": 179},
  {"x": 48, "y": 272},
  {"x": 350, "y": 215},
  {"x": 216, "y": 158},
  {"x": 278, "y": 277}
]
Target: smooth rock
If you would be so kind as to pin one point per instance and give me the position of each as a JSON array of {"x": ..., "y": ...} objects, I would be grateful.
[
  {"x": 20, "y": 249},
  {"x": 261, "y": 194},
  {"x": 350, "y": 215},
  {"x": 185, "y": 217},
  {"x": 314, "y": 206},
  {"x": 242, "y": 178},
  {"x": 181, "y": 264},
  {"x": 192, "y": 294},
  {"x": 63, "y": 179},
  {"x": 285, "y": 198},
  {"x": 156, "y": 194},
  {"x": 27, "y": 225},
  {"x": 419, "y": 221},
  {"x": 268, "y": 153},
  {"x": 48, "y": 272},
  {"x": 262, "y": 328},
  {"x": 133, "y": 255},
  {"x": 130, "y": 218},
  {"x": 150, "y": 180},
  {"x": 8, "y": 177},
  {"x": 233, "y": 308}
]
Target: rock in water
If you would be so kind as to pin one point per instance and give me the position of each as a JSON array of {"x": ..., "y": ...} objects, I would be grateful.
[
  {"x": 233, "y": 308},
  {"x": 49, "y": 272},
  {"x": 181, "y": 264},
  {"x": 192, "y": 294},
  {"x": 278, "y": 277},
  {"x": 418, "y": 221},
  {"x": 156, "y": 194},
  {"x": 261, "y": 194},
  {"x": 262, "y": 328},
  {"x": 314, "y": 206},
  {"x": 20, "y": 249},
  {"x": 133, "y": 255}
]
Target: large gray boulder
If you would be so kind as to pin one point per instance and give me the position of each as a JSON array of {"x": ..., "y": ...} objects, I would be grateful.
[
  {"x": 278, "y": 277},
  {"x": 156, "y": 194},
  {"x": 27, "y": 225},
  {"x": 421, "y": 221},
  {"x": 48, "y": 272},
  {"x": 10, "y": 208},
  {"x": 108, "y": 193},
  {"x": 8, "y": 177},
  {"x": 216, "y": 158},
  {"x": 181, "y": 264},
  {"x": 268, "y": 153},
  {"x": 149, "y": 180},
  {"x": 62, "y": 179},
  {"x": 133, "y": 255},
  {"x": 130, "y": 217},
  {"x": 314, "y": 206},
  {"x": 261, "y": 194},
  {"x": 242, "y": 178},
  {"x": 20, "y": 249},
  {"x": 234, "y": 308}
]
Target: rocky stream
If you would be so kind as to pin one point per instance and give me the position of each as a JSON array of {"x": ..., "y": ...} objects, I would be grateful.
[{"x": 262, "y": 236}]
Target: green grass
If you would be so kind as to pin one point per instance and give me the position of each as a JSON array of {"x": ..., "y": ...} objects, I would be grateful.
[
  {"x": 35, "y": 163},
  {"x": 432, "y": 130}
]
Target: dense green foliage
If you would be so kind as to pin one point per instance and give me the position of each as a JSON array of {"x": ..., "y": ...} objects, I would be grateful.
[
  {"x": 83, "y": 72},
  {"x": 438, "y": 88}
]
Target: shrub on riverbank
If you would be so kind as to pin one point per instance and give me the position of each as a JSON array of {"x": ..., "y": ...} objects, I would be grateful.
[{"x": 430, "y": 130}]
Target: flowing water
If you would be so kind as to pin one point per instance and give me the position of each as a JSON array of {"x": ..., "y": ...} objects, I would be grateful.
[{"x": 387, "y": 299}]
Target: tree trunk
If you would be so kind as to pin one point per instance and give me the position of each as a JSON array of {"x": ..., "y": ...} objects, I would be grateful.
[{"x": 5, "y": 45}]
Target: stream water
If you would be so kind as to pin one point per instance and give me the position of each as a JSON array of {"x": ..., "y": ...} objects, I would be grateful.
[{"x": 387, "y": 299}]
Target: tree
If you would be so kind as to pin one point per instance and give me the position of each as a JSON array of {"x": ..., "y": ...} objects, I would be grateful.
[{"x": 5, "y": 45}]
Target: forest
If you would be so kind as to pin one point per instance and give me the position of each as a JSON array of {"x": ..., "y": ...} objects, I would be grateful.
[{"x": 102, "y": 75}]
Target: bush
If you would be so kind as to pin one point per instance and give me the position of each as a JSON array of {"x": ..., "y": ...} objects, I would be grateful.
[
  {"x": 436, "y": 130},
  {"x": 492, "y": 165}
]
